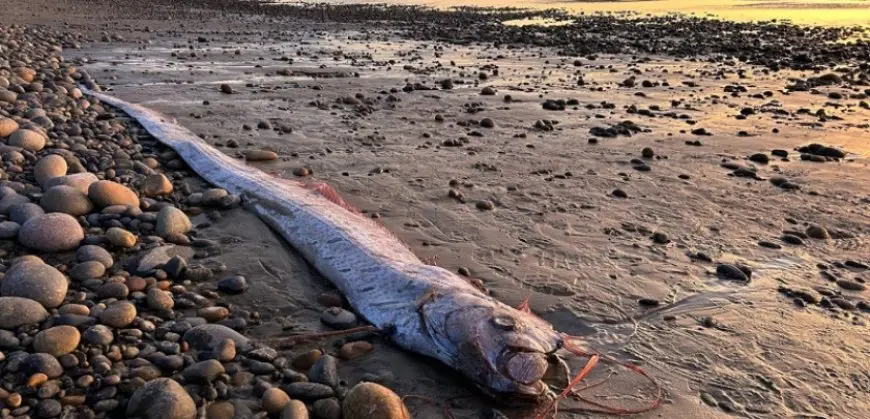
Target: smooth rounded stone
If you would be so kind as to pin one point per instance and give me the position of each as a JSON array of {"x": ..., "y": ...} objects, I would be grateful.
[
  {"x": 792, "y": 239},
  {"x": 20, "y": 213},
  {"x": 213, "y": 197},
  {"x": 207, "y": 337},
  {"x": 325, "y": 371},
  {"x": 818, "y": 232},
  {"x": 326, "y": 408},
  {"x": 49, "y": 167},
  {"x": 332, "y": 298},
  {"x": 353, "y": 350},
  {"x": 48, "y": 408},
  {"x": 160, "y": 256},
  {"x": 203, "y": 371},
  {"x": 87, "y": 270},
  {"x": 370, "y": 400},
  {"x": 79, "y": 309},
  {"x": 162, "y": 398},
  {"x": 338, "y": 318},
  {"x": 44, "y": 363},
  {"x": 170, "y": 362},
  {"x": 8, "y": 340},
  {"x": 306, "y": 360},
  {"x": 156, "y": 185},
  {"x": 11, "y": 199},
  {"x": 119, "y": 314},
  {"x": 220, "y": 410},
  {"x": 119, "y": 237},
  {"x": 225, "y": 350},
  {"x": 160, "y": 300},
  {"x": 171, "y": 220},
  {"x": 80, "y": 181},
  {"x": 116, "y": 290},
  {"x": 235, "y": 284},
  {"x": 57, "y": 341},
  {"x": 36, "y": 281},
  {"x": 9, "y": 230},
  {"x": 17, "y": 311},
  {"x": 260, "y": 155},
  {"x": 93, "y": 253},
  {"x": 274, "y": 400},
  {"x": 55, "y": 232},
  {"x": 308, "y": 391},
  {"x": 213, "y": 314},
  {"x": 295, "y": 409},
  {"x": 7, "y": 127},
  {"x": 731, "y": 272},
  {"x": 27, "y": 139},
  {"x": 104, "y": 193},
  {"x": 67, "y": 200},
  {"x": 848, "y": 284}
]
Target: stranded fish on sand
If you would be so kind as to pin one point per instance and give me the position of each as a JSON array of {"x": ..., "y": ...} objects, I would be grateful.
[{"x": 423, "y": 308}]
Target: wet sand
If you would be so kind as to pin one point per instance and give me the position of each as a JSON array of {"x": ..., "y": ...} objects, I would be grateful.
[{"x": 589, "y": 260}]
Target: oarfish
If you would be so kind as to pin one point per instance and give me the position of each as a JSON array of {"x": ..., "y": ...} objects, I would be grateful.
[{"x": 426, "y": 309}]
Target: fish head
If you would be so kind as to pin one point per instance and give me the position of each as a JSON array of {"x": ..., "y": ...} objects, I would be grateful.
[{"x": 503, "y": 349}]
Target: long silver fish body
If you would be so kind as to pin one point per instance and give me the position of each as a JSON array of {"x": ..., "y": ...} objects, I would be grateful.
[{"x": 427, "y": 309}]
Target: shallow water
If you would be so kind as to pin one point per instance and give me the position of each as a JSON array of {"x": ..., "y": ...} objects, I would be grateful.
[{"x": 809, "y": 12}]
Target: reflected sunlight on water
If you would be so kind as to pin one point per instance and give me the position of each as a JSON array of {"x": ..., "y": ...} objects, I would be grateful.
[{"x": 811, "y": 12}]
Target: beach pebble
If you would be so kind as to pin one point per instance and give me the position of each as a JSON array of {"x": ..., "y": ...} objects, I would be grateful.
[
  {"x": 338, "y": 318},
  {"x": 235, "y": 284},
  {"x": 162, "y": 398},
  {"x": 220, "y": 410},
  {"x": 160, "y": 300},
  {"x": 731, "y": 272},
  {"x": 306, "y": 360},
  {"x": 295, "y": 409},
  {"x": 37, "y": 281},
  {"x": 274, "y": 400},
  {"x": 329, "y": 408},
  {"x": 203, "y": 371},
  {"x": 20, "y": 213},
  {"x": 43, "y": 363},
  {"x": 49, "y": 167},
  {"x": 9, "y": 230},
  {"x": 156, "y": 185},
  {"x": 260, "y": 155},
  {"x": 67, "y": 200},
  {"x": 98, "y": 335},
  {"x": 225, "y": 350},
  {"x": 17, "y": 311},
  {"x": 93, "y": 253},
  {"x": 10, "y": 199},
  {"x": 818, "y": 232},
  {"x": 370, "y": 400},
  {"x": 57, "y": 341},
  {"x": 353, "y": 350},
  {"x": 119, "y": 314},
  {"x": 106, "y": 193},
  {"x": 7, "y": 127},
  {"x": 226, "y": 89},
  {"x": 120, "y": 238},
  {"x": 207, "y": 337},
  {"x": 325, "y": 371},
  {"x": 55, "y": 232},
  {"x": 213, "y": 314},
  {"x": 80, "y": 181},
  {"x": 171, "y": 220},
  {"x": 27, "y": 139},
  {"x": 308, "y": 391}
]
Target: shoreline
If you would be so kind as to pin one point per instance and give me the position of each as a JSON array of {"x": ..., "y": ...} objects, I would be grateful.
[{"x": 556, "y": 228}]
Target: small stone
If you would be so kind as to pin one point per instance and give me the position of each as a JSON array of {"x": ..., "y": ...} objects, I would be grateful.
[
  {"x": 760, "y": 158},
  {"x": 48, "y": 408},
  {"x": 331, "y": 299},
  {"x": 162, "y": 398},
  {"x": 119, "y": 314},
  {"x": 818, "y": 232},
  {"x": 213, "y": 314},
  {"x": 850, "y": 285},
  {"x": 171, "y": 220},
  {"x": 7, "y": 127},
  {"x": 619, "y": 193},
  {"x": 326, "y": 408},
  {"x": 98, "y": 335},
  {"x": 43, "y": 363},
  {"x": 49, "y": 167},
  {"x": 67, "y": 200},
  {"x": 295, "y": 409},
  {"x": 325, "y": 371},
  {"x": 112, "y": 289},
  {"x": 20, "y": 213},
  {"x": 353, "y": 350},
  {"x": 156, "y": 185},
  {"x": 92, "y": 253},
  {"x": 274, "y": 400},
  {"x": 160, "y": 300},
  {"x": 27, "y": 139},
  {"x": 120, "y": 238},
  {"x": 220, "y": 410},
  {"x": 338, "y": 318},
  {"x": 80, "y": 181},
  {"x": 308, "y": 391},
  {"x": 370, "y": 400},
  {"x": 647, "y": 153},
  {"x": 37, "y": 281},
  {"x": 226, "y": 89},
  {"x": 305, "y": 361},
  {"x": 260, "y": 155},
  {"x": 87, "y": 270},
  {"x": 203, "y": 371},
  {"x": 106, "y": 193},
  {"x": 9, "y": 230},
  {"x": 792, "y": 239},
  {"x": 53, "y": 232},
  {"x": 731, "y": 272},
  {"x": 208, "y": 336},
  {"x": 225, "y": 350},
  {"x": 485, "y": 205},
  {"x": 235, "y": 284},
  {"x": 57, "y": 341}
]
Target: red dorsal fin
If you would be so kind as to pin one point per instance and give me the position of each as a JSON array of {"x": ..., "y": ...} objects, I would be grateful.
[
  {"x": 332, "y": 195},
  {"x": 524, "y": 306}
]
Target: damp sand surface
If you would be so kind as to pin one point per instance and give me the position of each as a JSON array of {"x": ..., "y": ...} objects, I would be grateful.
[{"x": 528, "y": 204}]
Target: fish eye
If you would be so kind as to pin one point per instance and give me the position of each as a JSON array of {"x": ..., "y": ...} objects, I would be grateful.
[{"x": 504, "y": 322}]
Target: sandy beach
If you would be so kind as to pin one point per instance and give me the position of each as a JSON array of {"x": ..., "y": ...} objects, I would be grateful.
[{"x": 667, "y": 208}]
